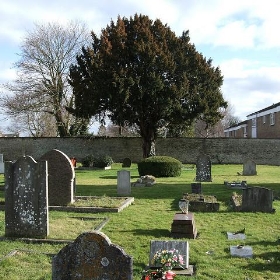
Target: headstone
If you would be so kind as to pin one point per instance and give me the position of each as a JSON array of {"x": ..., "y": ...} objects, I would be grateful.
[
  {"x": 203, "y": 169},
  {"x": 26, "y": 198},
  {"x": 126, "y": 162},
  {"x": 183, "y": 226},
  {"x": 61, "y": 178},
  {"x": 124, "y": 186},
  {"x": 249, "y": 168},
  {"x": 257, "y": 199},
  {"x": 181, "y": 246},
  {"x": 2, "y": 167},
  {"x": 241, "y": 251},
  {"x": 196, "y": 188},
  {"x": 92, "y": 256}
]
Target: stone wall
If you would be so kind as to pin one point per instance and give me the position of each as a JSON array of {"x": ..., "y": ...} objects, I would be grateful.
[{"x": 220, "y": 150}]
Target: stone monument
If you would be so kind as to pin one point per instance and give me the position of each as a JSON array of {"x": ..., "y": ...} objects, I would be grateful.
[
  {"x": 92, "y": 256},
  {"x": 26, "y": 198}
]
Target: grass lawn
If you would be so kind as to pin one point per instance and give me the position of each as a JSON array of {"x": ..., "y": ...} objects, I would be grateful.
[{"x": 150, "y": 217}]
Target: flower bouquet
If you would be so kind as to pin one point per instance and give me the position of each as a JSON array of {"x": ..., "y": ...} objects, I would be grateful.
[{"x": 168, "y": 259}]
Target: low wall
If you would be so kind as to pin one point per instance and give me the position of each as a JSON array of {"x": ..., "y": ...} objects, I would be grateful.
[{"x": 220, "y": 150}]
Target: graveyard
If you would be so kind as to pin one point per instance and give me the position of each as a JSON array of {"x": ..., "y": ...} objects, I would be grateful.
[{"x": 149, "y": 217}]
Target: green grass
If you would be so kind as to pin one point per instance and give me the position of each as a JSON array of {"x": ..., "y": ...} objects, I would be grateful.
[{"x": 150, "y": 217}]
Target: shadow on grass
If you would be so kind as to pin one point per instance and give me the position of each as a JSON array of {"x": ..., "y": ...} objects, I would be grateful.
[
  {"x": 115, "y": 177},
  {"x": 272, "y": 262},
  {"x": 157, "y": 233}
]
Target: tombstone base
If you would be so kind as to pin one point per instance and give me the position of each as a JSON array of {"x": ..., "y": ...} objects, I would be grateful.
[
  {"x": 184, "y": 272},
  {"x": 183, "y": 226}
]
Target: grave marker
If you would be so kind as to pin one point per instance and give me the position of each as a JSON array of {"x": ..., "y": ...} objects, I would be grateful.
[
  {"x": 257, "y": 199},
  {"x": 126, "y": 162},
  {"x": 26, "y": 198},
  {"x": 249, "y": 168},
  {"x": 196, "y": 188},
  {"x": 2, "y": 167},
  {"x": 92, "y": 256},
  {"x": 241, "y": 251},
  {"x": 203, "y": 169},
  {"x": 181, "y": 246},
  {"x": 124, "y": 186},
  {"x": 61, "y": 178}
]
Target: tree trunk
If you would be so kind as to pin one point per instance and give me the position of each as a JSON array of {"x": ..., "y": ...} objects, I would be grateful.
[{"x": 148, "y": 148}]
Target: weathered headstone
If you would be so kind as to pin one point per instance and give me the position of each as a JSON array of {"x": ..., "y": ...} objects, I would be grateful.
[
  {"x": 124, "y": 186},
  {"x": 196, "y": 188},
  {"x": 61, "y": 178},
  {"x": 181, "y": 246},
  {"x": 203, "y": 169},
  {"x": 249, "y": 168},
  {"x": 26, "y": 198},
  {"x": 257, "y": 199},
  {"x": 92, "y": 256},
  {"x": 2, "y": 167},
  {"x": 126, "y": 162}
]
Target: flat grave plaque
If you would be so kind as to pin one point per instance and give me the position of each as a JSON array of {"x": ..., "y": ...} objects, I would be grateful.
[{"x": 243, "y": 251}]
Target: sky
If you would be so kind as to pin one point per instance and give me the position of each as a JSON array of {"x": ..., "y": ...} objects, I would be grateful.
[{"x": 241, "y": 37}]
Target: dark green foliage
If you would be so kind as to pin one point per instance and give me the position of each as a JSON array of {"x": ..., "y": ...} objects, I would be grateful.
[
  {"x": 138, "y": 72},
  {"x": 99, "y": 161},
  {"x": 88, "y": 161},
  {"x": 160, "y": 166}
]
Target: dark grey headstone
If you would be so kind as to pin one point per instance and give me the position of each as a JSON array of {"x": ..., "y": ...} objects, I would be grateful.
[
  {"x": 26, "y": 198},
  {"x": 2, "y": 166},
  {"x": 257, "y": 199},
  {"x": 92, "y": 256},
  {"x": 196, "y": 188},
  {"x": 61, "y": 178},
  {"x": 181, "y": 246},
  {"x": 126, "y": 162},
  {"x": 203, "y": 169},
  {"x": 249, "y": 168}
]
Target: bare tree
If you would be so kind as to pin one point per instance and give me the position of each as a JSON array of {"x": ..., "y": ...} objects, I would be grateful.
[
  {"x": 216, "y": 130},
  {"x": 41, "y": 91}
]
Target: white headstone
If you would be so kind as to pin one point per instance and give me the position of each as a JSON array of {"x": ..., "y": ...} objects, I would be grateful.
[
  {"x": 2, "y": 167},
  {"x": 124, "y": 186}
]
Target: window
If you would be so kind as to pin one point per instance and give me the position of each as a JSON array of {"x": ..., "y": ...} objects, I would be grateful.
[
  {"x": 254, "y": 122},
  {"x": 264, "y": 119},
  {"x": 272, "y": 119}
]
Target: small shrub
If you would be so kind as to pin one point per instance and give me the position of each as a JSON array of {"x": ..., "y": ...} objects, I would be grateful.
[
  {"x": 88, "y": 161},
  {"x": 160, "y": 166},
  {"x": 100, "y": 161}
]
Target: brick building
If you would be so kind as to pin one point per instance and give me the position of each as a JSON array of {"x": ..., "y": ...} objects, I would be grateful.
[{"x": 264, "y": 123}]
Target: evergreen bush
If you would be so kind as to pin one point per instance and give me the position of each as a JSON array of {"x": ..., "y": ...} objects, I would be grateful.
[
  {"x": 99, "y": 161},
  {"x": 160, "y": 166}
]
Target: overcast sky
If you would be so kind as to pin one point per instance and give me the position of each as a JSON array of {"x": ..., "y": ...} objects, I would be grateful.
[{"x": 241, "y": 37}]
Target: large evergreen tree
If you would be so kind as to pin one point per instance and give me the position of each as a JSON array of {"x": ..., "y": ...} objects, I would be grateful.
[{"x": 139, "y": 72}]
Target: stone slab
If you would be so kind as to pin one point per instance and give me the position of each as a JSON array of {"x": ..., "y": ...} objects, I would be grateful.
[
  {"x": 243, "y": 252},
  {"x": 238, "y": 236}
]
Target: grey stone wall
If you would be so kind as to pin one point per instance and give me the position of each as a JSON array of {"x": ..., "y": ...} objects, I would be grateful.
[{"x": 220, "y": 150}]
